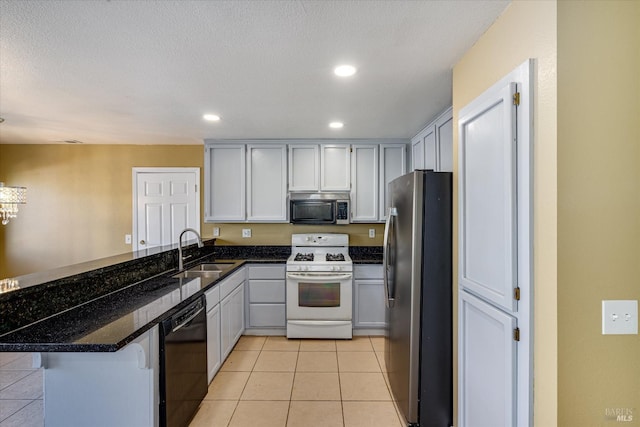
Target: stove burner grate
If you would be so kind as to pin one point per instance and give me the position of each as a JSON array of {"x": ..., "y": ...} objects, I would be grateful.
[
  {"x": 335, "y": 257},
  {"x": 303, "y": 257}
]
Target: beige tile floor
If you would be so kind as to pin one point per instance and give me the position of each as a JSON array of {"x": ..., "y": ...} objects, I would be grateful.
[
  {"x": 275, "y": 382},
  {"x": 20, "y": 391},
  {"x": 265, "y": 381}
]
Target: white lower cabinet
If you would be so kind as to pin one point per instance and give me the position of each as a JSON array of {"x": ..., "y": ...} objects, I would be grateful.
[
  {"x": 214, "y": 355},
  {"x": 368, "y": 298},
  {"x": 231, "y": 319},
  {"x": 266, "y": 313}
]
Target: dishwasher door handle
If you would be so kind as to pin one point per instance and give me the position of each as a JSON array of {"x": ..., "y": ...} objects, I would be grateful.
[{"x": 187, "y": 320}]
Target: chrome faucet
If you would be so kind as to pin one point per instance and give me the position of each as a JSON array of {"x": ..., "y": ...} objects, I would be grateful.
[{"x": 180, "y": 258}]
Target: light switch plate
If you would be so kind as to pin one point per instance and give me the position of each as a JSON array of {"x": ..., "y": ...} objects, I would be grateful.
[
  {"x": 246, "y": 232},
  {"x": 619, "y": 317}
]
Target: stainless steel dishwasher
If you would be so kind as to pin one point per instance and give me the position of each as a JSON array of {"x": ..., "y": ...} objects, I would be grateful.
[{"x": 183, "y": 364}]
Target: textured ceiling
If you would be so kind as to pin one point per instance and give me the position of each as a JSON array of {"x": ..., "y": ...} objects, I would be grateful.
[{"x": 144, "y": 72}]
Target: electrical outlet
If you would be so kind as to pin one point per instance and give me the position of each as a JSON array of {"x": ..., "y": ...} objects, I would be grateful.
[
  {"x": 127, "y": 239},
  {"x": 246, "y": 232},
  {"x": 216, "y": 231},
  {"x": 620, "y": 317},
  {"x": 372, "y": 233}
]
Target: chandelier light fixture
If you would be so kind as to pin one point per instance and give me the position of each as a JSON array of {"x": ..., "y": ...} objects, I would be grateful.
[{"x": 10, "y": 198}]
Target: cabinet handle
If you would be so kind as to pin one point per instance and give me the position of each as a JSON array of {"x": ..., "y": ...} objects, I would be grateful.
[{"x": 142, "y": 242}]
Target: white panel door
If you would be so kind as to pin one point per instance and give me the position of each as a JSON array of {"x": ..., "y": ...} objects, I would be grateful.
[
  {"x": 214, "y": 357},
  {"x": 224, "y": 167},
  {"x": 335, "y": 173},
  {"x": 267, "y": 183},
  {"x": 444, "y": 135},
  {"x": 488, "y": 199},
  {"x": 495, "y": 253},
  {"x": 430, "y": 149},
  {"x": 364, "y": 183},
  {"x": 487, "y": 365},
  {"x": 393, "y": 163},
  {"x": 304, "y": 167},
  {"x": 417, "y": 152},
  {"x": 166, "y": 201}
]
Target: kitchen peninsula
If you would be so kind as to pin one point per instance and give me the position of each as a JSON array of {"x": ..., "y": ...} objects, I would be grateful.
[{"x": 95, "y": 327}]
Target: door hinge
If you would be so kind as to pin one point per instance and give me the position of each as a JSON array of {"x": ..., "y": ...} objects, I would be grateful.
[
  {"x": 516, "y": 98},
  {"x": 516, "y": 293},
  {"x": 516, "y": 334}
]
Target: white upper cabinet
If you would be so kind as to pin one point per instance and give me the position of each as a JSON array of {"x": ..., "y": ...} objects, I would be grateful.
[
  {"x": 335, "y": 172},
  {"x": 245, "y": 182},
  {"x": 364, "y": 183},
  {"x": 304, "y": 167},
  {"x": 224, "y": 171},
  {"x": 444, "y": 136},
  {"x": 267, "y": 183},
  {"x": 393, "y": 163},
  {"x": 432, "y": 147}
]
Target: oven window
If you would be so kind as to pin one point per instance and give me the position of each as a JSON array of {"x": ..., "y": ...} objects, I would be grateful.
[{"x": 319, "y": 294}]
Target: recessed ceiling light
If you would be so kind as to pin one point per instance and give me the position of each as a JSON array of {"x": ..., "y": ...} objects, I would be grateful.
[
  {"x": 336, "y": 125},
  {"x": 211, "y": 118},
  {"x": 344, "y": 70}
]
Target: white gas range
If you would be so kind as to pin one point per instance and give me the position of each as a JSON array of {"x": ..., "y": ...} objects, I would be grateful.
[{"x": 319, "y": 286}]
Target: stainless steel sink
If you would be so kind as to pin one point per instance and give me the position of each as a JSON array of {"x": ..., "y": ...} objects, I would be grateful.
[
  {"x": 193, "y": 274},
  {"x": 207, "y": 270},
  {"x": 210, "y": 267}
]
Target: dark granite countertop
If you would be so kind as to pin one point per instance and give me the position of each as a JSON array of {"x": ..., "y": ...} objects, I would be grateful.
[{"x": 110, "y": 319}]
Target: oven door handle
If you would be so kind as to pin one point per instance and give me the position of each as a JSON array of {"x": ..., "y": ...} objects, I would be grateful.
[{"x": 318, "y": 277}]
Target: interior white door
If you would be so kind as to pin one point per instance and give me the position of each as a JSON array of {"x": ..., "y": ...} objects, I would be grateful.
[
  {"x": 166, "y": 201},
  {"x": 495, "y": 255}
]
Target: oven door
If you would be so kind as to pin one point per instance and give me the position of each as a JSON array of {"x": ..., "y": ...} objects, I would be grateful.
[{"x": 319, "y": 296}]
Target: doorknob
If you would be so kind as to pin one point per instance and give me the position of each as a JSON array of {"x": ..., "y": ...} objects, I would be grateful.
[{"x": 142, "y": 242}]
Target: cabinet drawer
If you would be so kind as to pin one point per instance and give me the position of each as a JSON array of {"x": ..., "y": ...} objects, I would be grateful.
[
  {"x": 266, "y": 291},
  {"x": 267, "y": 315},
  {"x": 229, "y": 284},
  {"x": 266, "y": 272},
  {"x": 370, "y": 271},
  {"x": 213, "y": 297}
]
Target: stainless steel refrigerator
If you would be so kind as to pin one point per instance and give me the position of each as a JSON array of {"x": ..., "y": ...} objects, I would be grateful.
[{"x": 417, "y": 270}]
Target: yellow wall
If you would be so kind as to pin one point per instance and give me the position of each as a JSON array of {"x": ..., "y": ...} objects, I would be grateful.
[
  {"x": 598, "y": 207},
  {"x": 79, "y": 204},
  {"x": 527, "y": 29}
]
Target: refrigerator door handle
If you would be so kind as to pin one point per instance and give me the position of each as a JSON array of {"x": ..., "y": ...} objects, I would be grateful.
[{"x": 385, "y": 258}]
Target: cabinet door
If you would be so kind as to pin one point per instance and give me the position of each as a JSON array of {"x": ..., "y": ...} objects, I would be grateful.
[
  {"x": 231, "y": 319},
  {"x": 369, "y": 309},
  {"x": 237, "y": 316},
  {"x": 393, "y": 163},
  {"x": 335, "y": 174},
  {"x": 486, "y": 365},
  {"x": 444, "y": 136},
  {"x": 214, "y": 356},
  {"x": 417, "y": 152},
  {"x": 430, "y": 149},
  {"x": 224, "y": 182},
  {"x": 304, "y": 168},
  {"x": 267, "y": 183},
  {"x": 364, "y": 183}
]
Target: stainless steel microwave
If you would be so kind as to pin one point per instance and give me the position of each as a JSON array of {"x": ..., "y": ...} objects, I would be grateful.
[{"x": 319, "y": 208}]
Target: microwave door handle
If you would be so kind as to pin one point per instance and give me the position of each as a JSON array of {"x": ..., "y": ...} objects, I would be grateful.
[
  {"x": 317, "y": 277},
  {"x": 389, "y": 301}
]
